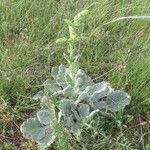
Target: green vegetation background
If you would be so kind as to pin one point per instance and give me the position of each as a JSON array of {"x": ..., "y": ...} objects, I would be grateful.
[{"x": 118, "y": 52}]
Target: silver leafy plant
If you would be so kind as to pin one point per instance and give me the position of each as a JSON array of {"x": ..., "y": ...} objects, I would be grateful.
[{"x": 71, "y": 97}]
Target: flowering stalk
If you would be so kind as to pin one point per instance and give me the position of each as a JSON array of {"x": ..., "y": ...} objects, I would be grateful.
[{"x": 71, "y": 57}]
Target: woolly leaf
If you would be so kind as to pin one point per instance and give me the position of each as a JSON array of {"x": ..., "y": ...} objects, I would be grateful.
[
  {"x": 75, "y": 128},
  {"x": 46, "y": 141},
  {"x": 74, "y": 67},
  {"x": 76, "y": 115},
  {"x": 98, "y": 93},
  {"x": 60, "y": 77},
  {"x": 79, "y": 82},
  {"x": 98, "y": 105},
  {"x": 49, "y": 136},
  {"x": 38, "y": 96},
  {"x": 69, "y": 77},
  {"x": 100, "y": 89},
  {"x": 51, "y": 86},
  {"x": 44, "y": 117},
  {"x": 66, "y": 107},
  {"x": 70, "y": 123},
  {"x": 69, "y": 92},
  {"x": 84, "y": 110},
  {"x": 83, "y": 97},
  {"x": 117, "y": 100},
  {"x": 54, "y": 72},
  {"x": 32, "y": 129},
  {"x": 82, "y": 80}
]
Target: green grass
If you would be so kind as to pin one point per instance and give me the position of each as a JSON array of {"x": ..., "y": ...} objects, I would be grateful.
[{"x": 28, "y": 31}]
